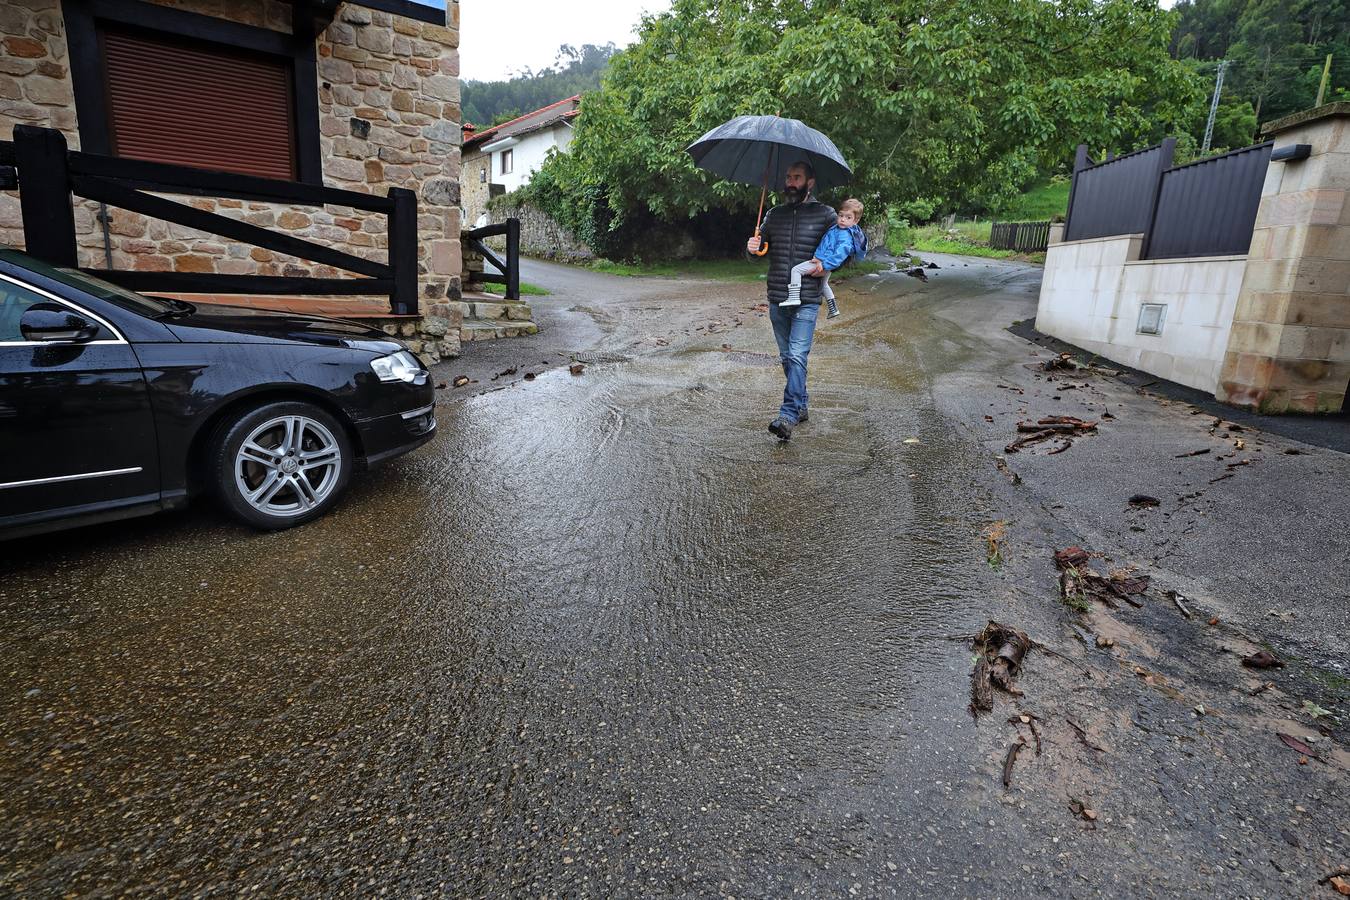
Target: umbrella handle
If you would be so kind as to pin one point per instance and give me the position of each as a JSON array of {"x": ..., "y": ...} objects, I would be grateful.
[{"x": 763, "y": 245}]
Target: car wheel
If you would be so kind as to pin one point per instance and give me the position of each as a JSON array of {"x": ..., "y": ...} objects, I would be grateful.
[{"x": 281, "y": 465}]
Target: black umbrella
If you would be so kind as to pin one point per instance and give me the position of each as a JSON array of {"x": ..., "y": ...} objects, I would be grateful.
[{"x": 760, "y": 149}]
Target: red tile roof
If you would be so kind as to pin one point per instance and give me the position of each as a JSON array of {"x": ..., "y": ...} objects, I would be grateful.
[{"x": 506, "y": 128}]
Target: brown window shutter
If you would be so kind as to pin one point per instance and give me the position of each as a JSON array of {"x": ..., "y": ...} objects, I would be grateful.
[{"x": 197, "y": 105}]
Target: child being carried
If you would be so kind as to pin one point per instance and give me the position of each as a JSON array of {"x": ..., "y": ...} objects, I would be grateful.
[{"x": 839, "y": 244}]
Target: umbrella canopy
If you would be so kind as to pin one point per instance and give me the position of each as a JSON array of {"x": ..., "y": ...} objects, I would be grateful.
[{"x": 759, "y": 149}]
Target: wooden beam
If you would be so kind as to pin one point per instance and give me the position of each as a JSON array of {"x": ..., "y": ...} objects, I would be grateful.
[
  {"x": 210, "y": 283},
  {"x": 44, "y": 195},
  {"x": 214, "y": 223},
  {"x": 403, "y": 250},
  {"x": 136, "y": 173}
]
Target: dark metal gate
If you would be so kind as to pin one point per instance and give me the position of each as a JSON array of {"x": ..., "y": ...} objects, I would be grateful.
[
  {"x": 1208, "y": 208},
  {"x": 1204, "y": 208}
]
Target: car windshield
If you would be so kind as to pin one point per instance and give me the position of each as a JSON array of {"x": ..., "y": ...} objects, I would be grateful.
[{"x": 154, "y": 307}]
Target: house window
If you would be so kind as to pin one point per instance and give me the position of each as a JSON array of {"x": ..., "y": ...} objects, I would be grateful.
[
  {"x": 506, "y": 162},
  {"x": 171, "y": 86},
  {"x": 195, "y": 104}
]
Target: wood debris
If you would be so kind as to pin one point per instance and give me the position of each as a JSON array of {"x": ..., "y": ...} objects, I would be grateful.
[
  {"x": 1078, "y": 582},
  {"x": 1011, "y": 758},
  {"x": 1001, "y": 650},
  {"x": 1050, "y": 427}
]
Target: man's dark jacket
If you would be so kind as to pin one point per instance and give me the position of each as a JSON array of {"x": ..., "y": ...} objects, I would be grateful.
[{"x": 793, "y": 230}]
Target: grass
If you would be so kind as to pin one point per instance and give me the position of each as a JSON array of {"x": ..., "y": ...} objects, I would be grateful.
[
  {"x": 715, "y": 269},
  {"x": 532, "y": 290},
  {"x": 1044, "y": 200},
  {"x": 969, "y": 239},
  {"x": 994, "y": 535}
]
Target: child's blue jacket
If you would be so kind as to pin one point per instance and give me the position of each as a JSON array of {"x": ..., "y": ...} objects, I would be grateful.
[{"x": 839, "y": 244}]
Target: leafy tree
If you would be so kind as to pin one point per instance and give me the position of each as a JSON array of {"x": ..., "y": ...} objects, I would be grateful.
[
  {"x": 1276, "y": 48},
  {"x": 1234, "y": 125},
  {"x": 1268, "y": 55},
  {"x": 931, "y": 100}
]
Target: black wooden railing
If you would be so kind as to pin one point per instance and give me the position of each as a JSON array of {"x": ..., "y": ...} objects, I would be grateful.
[
  {"x": 49, "y": 173},
  {"x": 508, "y": 271},
  {"x": 1024, "y": 237}
]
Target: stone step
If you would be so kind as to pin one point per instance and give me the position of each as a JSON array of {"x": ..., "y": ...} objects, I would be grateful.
[
  {"x": 479, "y": 329},
  {"x": 491, "y": 307}
]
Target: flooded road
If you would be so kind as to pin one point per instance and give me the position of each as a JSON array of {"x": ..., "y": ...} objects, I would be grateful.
[{"x": 604, "y": 636}]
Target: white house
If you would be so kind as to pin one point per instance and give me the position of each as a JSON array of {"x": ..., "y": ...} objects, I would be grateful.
[{"x": 502, "y": 158}]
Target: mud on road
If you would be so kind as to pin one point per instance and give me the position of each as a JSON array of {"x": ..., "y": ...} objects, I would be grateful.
[{"x": 605, "y": 636}]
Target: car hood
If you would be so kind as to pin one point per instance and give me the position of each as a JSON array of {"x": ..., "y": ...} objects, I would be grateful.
[{"x": 218, "y": 324}]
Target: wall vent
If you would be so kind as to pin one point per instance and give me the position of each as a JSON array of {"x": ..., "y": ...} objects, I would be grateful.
[{"x": 1151, "y": 318}]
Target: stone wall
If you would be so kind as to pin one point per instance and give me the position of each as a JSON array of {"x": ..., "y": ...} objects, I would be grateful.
[
  {"x": 388, "y": 117},
  {"x": 540, "y": 235},
  {"x": 474, "y": 191},
  {"x": 1092, "y": 291},
  {"x": 1290, "y": 346}
]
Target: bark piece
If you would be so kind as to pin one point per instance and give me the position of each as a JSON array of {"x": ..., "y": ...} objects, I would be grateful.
[
  {"x": 1008, "y": 760},
  {"x": 1001, "y": 650}
]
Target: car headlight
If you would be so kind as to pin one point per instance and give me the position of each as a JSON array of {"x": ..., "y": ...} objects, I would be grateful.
[{"x": 400, "y": 366}]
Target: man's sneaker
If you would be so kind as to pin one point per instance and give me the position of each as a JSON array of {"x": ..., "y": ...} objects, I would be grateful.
[
  {"x": 782, "y": 428},
  {"x": 805, "y": 416}
]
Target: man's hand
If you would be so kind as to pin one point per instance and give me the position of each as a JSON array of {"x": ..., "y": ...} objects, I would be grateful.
[
  {"x": 752, "y": 245},
  {"x": 819, "y": 270}
]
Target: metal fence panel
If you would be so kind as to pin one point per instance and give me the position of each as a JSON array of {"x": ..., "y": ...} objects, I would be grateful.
[
  {"x": 1116, "y": 196},
  {"x": 1208, "y": 208}
]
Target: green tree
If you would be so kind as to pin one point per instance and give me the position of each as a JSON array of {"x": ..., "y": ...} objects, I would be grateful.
[
  {"x": 934, "y": 100},
  {"x": 1268, "y": 56}
]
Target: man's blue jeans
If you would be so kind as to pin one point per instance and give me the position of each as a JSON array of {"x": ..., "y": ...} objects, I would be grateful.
[{"x": 793, "y": 329}]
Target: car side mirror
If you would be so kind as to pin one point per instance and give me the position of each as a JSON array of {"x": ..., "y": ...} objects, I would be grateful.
[{"x": 54, "y": 323}]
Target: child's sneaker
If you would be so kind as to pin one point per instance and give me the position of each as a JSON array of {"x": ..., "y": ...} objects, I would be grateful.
[
  {"x": 794, "y": 297},
  {"x": 832, "y": 306}
]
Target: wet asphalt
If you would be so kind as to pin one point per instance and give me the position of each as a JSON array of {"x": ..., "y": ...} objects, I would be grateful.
[{"x": 605, "y": 636}]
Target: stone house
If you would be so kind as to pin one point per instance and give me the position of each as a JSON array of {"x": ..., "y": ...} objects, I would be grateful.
[
  {"x": 355, "y": 94},
  {"x": 502, "y": 158}
]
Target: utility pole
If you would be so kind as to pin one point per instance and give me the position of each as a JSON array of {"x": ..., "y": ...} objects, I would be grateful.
[
  {"x": 1214, "y": 106},
  {"x": 1322, "y": 88}
]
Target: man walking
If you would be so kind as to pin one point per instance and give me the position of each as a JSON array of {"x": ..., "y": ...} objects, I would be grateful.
[{"x": 793, "y": 229}]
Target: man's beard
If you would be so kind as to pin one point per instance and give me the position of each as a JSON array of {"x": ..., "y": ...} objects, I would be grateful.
[{"x": 794, "y": 195}]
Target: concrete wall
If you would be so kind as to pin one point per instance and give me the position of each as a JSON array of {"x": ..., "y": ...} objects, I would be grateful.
[
  {"x": 388, "y": 95},
  {"x": 528, "y": 155},
  {"x": 1092, "y": 292}
]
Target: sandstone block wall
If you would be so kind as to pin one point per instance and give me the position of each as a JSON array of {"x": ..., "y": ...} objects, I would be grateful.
[
  {"x": 389, "y": 116},
  {"x": 1290, "y": 345}
]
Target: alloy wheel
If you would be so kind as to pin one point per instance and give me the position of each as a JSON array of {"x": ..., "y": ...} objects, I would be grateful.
[{"x": 287, "y": 466}]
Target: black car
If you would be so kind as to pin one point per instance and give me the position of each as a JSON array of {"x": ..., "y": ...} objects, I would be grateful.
[{"x": 117, "y": 404}]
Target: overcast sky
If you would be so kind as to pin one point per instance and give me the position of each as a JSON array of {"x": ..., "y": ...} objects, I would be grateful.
[{"x": 498, "y": 38}]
